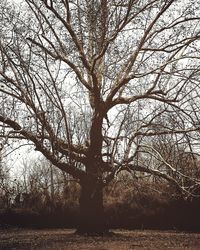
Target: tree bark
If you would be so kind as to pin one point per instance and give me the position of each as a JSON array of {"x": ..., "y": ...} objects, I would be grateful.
[{"x": 92, "y": 218}]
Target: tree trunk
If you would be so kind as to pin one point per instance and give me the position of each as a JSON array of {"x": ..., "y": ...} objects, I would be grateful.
[{"x": 92, "y": 219}]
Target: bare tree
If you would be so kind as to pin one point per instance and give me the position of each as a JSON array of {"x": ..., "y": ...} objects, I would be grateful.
[{"x": 86, "y": 82}]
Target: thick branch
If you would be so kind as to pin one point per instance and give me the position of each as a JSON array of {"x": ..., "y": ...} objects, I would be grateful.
[{"x": 77, "y": 173}]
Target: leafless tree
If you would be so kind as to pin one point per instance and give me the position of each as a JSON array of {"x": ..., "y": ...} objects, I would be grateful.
[{"x": 86, "y": 83}]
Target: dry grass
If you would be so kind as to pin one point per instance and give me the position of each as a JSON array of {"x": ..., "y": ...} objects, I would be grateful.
[{"x": 58, "y": 239}]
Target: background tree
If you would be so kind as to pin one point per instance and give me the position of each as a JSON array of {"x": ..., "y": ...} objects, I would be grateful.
[{"x": 86, "y": 82}]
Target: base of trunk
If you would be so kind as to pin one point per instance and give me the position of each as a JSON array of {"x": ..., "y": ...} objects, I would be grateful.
[
  {"x": 92, "y": 218},
  {"x": 86, "y": 232},
  {"x": 92, "y": 226}
]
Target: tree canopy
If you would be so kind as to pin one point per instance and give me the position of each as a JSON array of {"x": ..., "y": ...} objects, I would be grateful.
[{"x": 95, "y": 84}]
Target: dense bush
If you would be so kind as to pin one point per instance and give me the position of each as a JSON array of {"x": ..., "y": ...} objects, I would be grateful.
[
  {"x": 48, "y": 198},
  {"x": 131, "y": 203}
]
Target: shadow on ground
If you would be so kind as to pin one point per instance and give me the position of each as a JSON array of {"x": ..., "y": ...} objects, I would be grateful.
[{"x": 120, "y": 239}]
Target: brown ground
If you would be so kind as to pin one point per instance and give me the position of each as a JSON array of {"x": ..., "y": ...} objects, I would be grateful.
[{"x": 58, "y": 239}]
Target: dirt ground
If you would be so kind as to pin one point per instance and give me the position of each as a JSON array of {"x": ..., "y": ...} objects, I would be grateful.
[{"x": 59, "y": 239}]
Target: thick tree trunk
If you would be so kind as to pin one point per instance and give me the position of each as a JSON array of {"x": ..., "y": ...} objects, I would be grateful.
[{"x": 92, "y": 219}]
